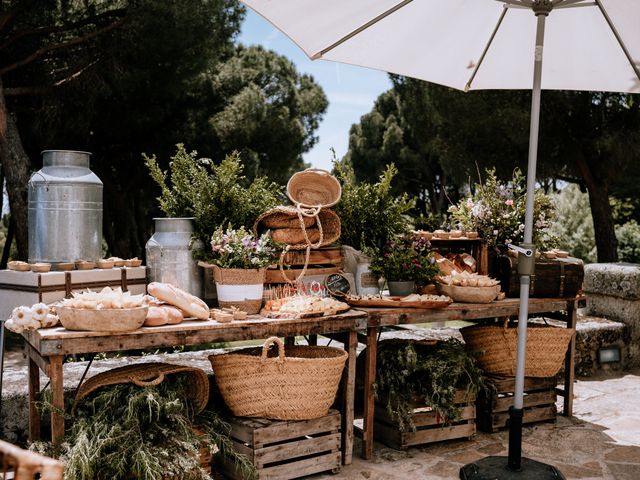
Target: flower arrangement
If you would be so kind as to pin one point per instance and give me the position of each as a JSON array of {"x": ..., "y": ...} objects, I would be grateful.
[
  {"x": 496, "y": 211},
  {"x": 240, "y": 249},
  {"x": 405, "y": 258}
]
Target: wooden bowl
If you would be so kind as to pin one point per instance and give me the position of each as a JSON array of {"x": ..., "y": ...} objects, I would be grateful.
[
  {"x": 18, "y": 266},
  {"x": 106, "y": 320},
  {"x": 470, "y": 294},
  {"x": 455, "y": 234},
  {"x": 133, "y": 262},
  {"x": 40, "y": 267},
  {"x": 83, "y": 265},
  {"x": 562, "y": 254},
  {"x": 117, "y": 261},
  {"x": 65, "y": 266},
  {"x": 106, "y": 264},
  {"x": 549, "y": 255},
  {"x": 471, "y": 235}
]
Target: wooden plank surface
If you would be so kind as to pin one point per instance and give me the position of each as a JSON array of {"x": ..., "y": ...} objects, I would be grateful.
[
  {"x": 297, "y": 448},
  {"x": 302, "y": 468},
  {"x": 285, "y": 430},
  {"x": 59, "y": 341},
  {"x": 530, "y": 400},
  {"x": 462, "y": 311},
  {"x": 424, "y": 419}
]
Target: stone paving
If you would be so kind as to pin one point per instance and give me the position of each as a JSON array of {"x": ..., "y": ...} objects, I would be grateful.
[{"x": 601, "y": 441}]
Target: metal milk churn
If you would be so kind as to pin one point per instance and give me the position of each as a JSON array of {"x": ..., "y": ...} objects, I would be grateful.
[
  {"x": 65, "y": 209},
  {"x": 169, "y": 255}
]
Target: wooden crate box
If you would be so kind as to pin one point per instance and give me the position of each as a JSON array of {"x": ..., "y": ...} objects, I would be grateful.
[
  {"x": 429, "y": 425},
  {"x": 539, "y": 402},
  {"x": 282, "y": 450}
]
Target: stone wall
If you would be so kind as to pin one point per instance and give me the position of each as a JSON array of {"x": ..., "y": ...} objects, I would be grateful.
[{"x": 613, "y": 292}]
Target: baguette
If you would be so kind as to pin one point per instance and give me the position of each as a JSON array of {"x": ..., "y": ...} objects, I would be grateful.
[{"x": 190, "y": 304}]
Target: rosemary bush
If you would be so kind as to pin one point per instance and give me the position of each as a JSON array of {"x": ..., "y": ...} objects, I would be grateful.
[
  {"x": 409, "y": 371},
  {"x": 215, "y": 195},
  {"x": 128, "y": 432},
  {"x": 370, "y": 214}
]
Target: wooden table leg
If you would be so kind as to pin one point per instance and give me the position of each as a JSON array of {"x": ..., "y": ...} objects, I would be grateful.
[
  {"x": 34, "y": 392},
  {"x": 369, "y": 380},
  {"x": 313, "y": 340},
  {"x": 348, "y": 396},
  {"x": 289, "y": 341},
  {"x": 57, "y": 398},
  {"x": 569, "y": 362}
]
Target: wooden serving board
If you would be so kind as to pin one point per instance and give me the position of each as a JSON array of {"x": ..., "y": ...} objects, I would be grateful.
[
  {"x": 326, "y": 313},
  {"x": 394, "y": 302}
]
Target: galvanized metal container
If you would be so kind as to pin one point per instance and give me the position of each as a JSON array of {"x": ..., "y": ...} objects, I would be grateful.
[
  {"x": 65, "y": 209},
  {"x": 169, "y": 257}
]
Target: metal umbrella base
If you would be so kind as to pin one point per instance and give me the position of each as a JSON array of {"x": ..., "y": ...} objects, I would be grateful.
[{"x": 495, "y": 468}]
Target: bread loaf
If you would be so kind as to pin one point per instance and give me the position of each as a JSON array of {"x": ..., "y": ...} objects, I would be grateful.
[{"x": 190, "y": 304}]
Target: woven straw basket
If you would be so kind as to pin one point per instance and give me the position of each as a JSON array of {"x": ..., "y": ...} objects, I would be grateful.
[
  {"x": 496, "y": 347},
  {"x": 256, "y": 382},
  {"x": 293, "y": 236},
  {"x": 148, "y": 374},
  {"x": 240, "y": 288},
  {"x": 313, "y": 188}
]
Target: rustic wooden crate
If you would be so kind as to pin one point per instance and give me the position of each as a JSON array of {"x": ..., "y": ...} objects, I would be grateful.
[
  {"x": 429, "y": 426},
  {"x": 539, "y": 402},
  {"x": 286, "y": 449},
  {"x": 322, "y": 261}
]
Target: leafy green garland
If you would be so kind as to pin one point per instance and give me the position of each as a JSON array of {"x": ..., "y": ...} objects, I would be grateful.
[
  {"x": 128, "y": 432},
  {"x": 409, "y": 371}
]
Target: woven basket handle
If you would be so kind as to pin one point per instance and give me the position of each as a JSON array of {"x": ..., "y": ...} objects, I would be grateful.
[
  {"x": 265, "y": 348},
  {"x": 148, "y": 383}
]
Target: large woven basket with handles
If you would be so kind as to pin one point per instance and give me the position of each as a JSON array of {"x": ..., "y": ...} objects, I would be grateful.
[
  {"x": 299, "y": 384},
  {"x": 496, "y": 346},
  {"x": 148, "y": 374}
]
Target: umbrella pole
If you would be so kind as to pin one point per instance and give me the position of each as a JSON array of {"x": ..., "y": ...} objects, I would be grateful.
[
  {"x": 515, "y": 467},
  {"x": 526, "y": 263}
]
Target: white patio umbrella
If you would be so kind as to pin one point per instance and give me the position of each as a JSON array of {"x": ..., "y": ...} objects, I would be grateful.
[{"x": 480, "y": 44}]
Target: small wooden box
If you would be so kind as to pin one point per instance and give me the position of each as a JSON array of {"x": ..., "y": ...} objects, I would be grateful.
[
  {"x": 322, "y": 261},
  {"x": 286, "y": 449},
  {"x": 27, "y": 288},
  {"x": 429, "y": 425},
  {"x": 557, "y": 277},
  {"x": 539, "y": 402}
]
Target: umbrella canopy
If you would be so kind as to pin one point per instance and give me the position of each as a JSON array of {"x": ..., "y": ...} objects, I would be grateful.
[{"x": 443, "y": 41}]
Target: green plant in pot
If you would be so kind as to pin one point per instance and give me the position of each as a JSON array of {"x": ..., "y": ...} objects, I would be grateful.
[
  {"x": 213, "y": 194},
  {"x": 404, "y": 262},
  {"x": 240, "y": 261}
]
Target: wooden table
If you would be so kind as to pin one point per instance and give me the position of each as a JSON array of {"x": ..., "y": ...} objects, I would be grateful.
[
  {"x": 564, "y": 309},
  {"x": 47, "y": 348}
]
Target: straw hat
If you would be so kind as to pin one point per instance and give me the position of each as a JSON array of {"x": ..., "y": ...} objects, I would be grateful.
[
  {"x": 148, "y": 374},
  {"x": 313, "y": 188}
]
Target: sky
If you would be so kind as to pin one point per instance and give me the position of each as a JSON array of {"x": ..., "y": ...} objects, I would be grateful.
[{"x": 351, "y": 90}]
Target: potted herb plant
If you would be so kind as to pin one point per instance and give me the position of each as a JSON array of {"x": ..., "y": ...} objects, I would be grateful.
[
  {"x": 405, "y": 262},
  {"x": 239, "y": 262}
]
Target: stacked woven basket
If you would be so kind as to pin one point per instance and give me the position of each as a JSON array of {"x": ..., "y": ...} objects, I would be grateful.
[{"x": 309, "y": 223}]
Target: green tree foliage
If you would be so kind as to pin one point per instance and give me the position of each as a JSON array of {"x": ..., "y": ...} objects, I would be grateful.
[
  {"x": 574, "y": 225},
  {"x": 266, "y": 110},
  {"x": 172, "y": 73},
  {"x": 402, "y": 129},
  {"x": 628, "y": 236}
]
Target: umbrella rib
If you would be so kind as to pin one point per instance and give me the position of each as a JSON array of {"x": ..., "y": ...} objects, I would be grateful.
[
  {"x": 486, "y": 48},
  {"x": 360, "y": 29},
  {"x": 634, "y": 66}
]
